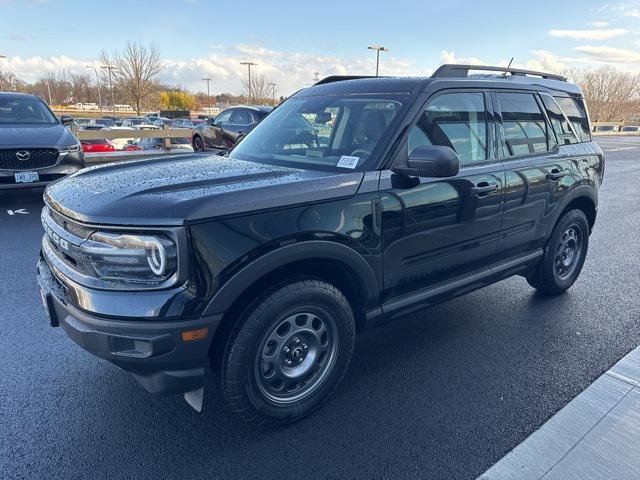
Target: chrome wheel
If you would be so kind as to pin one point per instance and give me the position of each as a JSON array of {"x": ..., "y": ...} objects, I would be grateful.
[
  {"x": 568, "y": 252},
  {"x": 296, "y": 356}
]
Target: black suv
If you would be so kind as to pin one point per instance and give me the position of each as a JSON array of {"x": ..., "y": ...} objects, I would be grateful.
[
  {"x": 264, "y": 264},
  {"x": 35, "y": 147}
]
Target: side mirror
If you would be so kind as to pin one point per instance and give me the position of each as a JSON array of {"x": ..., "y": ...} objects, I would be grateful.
[
  {"x": 66, "y": 120},
  {"x": 431, "y": 161}
]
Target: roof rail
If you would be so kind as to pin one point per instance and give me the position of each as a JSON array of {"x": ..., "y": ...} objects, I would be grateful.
[
  {"x": 339, "y": 78},
  {"x": 458, "y": 71}
]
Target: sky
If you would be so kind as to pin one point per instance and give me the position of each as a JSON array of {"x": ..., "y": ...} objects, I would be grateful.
[{"x": 291, "y": 40}]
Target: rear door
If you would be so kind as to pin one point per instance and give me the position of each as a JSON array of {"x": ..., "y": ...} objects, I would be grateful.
[
  {"x": 538, "y": 173},
  {"x": 435, "y": 229},
  {"x": 242, "y": 121}
]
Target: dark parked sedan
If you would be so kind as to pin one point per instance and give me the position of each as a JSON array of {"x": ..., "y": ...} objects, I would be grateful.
[
  {"x": 224, "y": 131},
  {"x": 35, "y": 147}
]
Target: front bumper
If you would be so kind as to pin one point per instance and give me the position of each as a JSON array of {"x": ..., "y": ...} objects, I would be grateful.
[
  {"x": 153, "y": 351},
  {"x": 65, "y": 166}
]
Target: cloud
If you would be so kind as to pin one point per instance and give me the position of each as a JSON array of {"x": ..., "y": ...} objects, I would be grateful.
[
  {"x": 450, "y": 57},
  {"x": 594, "y": 34},
  {"x": 625, "y": 9},
  {"x": 609, "y": 54},
  {"x": 598, "y": 24}
]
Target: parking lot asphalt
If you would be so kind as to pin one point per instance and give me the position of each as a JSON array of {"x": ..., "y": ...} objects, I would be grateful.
[{"x": 443, "y": 393}]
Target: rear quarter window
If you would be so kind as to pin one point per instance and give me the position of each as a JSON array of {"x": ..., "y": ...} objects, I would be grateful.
[{"x": 576, "y": 112}]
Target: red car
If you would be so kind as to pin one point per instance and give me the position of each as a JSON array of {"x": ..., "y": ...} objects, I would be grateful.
[{"x": 93, "y": 146}]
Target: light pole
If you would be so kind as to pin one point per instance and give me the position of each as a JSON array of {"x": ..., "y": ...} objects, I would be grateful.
[
  {"x": 378, "y": 49},
  {"x": 98, "y": 85},
  {"x": 208, "y": 80},
  {"x": 1, "y": 78},
  {"x": 273, "y": 93},
  {"x": 49, "y": 91},
  {"x": 110, "y": 67},
  {"x": 249, "y": 65}
]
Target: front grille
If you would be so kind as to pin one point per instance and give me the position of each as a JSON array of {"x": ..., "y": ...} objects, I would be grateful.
[
  {"x": 30, "y": 158},
  {"x": 70, "y": 226}
]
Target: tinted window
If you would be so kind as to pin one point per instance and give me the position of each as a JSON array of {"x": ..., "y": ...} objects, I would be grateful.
[
  {"x": 242, "y": 117},
  {"x": 525, "y": 129},
  {"x": 456, "y": 120},
  {"x": 577, "y": 114},
  {"x": 25, "y": 111},
  {"x": 559, "y": 121}
]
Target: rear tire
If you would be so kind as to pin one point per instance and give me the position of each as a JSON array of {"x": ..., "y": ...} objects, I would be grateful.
[
  {"x": 564, "y": 255},
  {"x": 288, "y": 352}
]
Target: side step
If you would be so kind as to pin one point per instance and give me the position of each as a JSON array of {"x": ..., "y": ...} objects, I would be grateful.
[{"x": 462, "y": 284}]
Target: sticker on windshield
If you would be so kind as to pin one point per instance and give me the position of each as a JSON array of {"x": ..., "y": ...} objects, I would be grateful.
[{"x": 348, "y": 162}]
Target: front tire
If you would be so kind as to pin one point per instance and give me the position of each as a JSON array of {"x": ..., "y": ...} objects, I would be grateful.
[
  {"x": 198, "y": 144},
  {"x": 288, "y": 352},
  {"x": 564, "y": 255}
]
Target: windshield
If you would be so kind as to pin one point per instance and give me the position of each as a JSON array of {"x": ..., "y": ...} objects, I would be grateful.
[
  {"x": 323, "y": 132},
  {"x": 25, "y": 111}
]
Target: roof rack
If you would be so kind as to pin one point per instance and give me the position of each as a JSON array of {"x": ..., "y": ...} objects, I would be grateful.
[
  {"x": 339, "y": 78},
  {"x": 462, "y": 71}
]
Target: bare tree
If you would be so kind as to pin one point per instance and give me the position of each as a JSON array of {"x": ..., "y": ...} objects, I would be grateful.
[
  {"x": 260, "y": 89},
  {"x": 611, "y": 95},
  {"x": 136, "y": 71}
]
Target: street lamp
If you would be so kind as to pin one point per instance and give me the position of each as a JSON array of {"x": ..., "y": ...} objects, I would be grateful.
[
  {"x": 273, "y": 93},
  {"x": 249, "y": 65},
  {"x": 378, "y": 49},
  {"x": 110, "y": 67},
  {"x": 98, "y": 85},
  {"x": 208, "y": 80}
]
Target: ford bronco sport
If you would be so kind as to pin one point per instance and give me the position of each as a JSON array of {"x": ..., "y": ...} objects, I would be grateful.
[{"x": 354, "y": 202}]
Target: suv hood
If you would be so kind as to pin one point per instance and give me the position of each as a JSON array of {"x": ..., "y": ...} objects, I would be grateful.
[
  {"x": 31, "y": 136},
  {"x": 181, "y": 189}
]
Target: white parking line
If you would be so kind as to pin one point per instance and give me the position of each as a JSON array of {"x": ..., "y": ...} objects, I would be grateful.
[{"x": 19, "y": 211}]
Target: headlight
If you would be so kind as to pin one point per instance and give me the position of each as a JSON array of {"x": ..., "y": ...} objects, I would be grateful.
[
  {"x": 129, "y": 259},
  {"x": 70, "y": 149}
]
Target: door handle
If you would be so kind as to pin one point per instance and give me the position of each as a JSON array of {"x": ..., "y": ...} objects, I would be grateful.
[
  {"x": 483, "y": 188},
  {"x": 556, "y": 174}
]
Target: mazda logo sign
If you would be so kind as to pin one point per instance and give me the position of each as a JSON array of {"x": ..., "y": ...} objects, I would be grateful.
[{"x": 23, "y": 155}]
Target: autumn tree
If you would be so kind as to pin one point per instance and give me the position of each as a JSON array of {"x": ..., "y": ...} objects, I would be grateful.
[{"x": 177, "y": 100}]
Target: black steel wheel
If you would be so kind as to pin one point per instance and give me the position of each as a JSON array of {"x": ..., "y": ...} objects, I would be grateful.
[
  {"x": 564, "y": 255},
  {"x": 295, "y": 357},
  {"x": 288, "y": 352}
]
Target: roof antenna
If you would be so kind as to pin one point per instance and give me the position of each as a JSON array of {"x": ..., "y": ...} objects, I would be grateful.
[{"x": 507, "y": 69}]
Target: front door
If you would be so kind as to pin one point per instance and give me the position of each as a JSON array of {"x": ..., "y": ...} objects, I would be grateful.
[{"x": 435, "y": 229}]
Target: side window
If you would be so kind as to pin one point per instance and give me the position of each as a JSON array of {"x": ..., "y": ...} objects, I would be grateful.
[
  {"x": 224, "y": 117},
  {"x": 576, "y": 112},
  {"x": 559, "y": 122},
  {"x": 525, "y": 128},
  {"x": 456, "y": 120},
  {"x": 241, "y": 117}
]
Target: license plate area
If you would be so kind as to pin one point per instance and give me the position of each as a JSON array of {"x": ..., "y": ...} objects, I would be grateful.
[{"x": 26, "y": 177}]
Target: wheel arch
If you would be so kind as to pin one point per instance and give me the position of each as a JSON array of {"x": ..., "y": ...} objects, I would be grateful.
[
  {"x": 332, "y": 262},
  {"x": 584, "y": 200}
]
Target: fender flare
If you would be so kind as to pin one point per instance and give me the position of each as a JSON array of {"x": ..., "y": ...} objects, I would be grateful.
[{"x": 305, "y": 250}]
